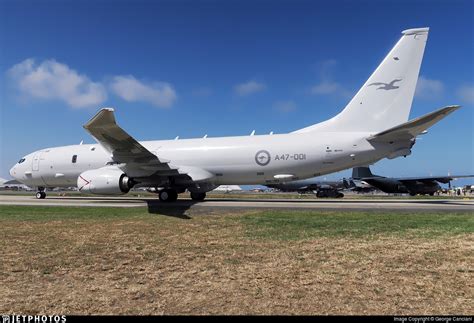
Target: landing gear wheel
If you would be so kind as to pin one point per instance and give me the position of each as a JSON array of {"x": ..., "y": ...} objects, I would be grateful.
[
  {"x": 198, "y": 196},
  {"x": 40, "y": 195},
  {"x": 173, "y": 195},
  {"x": 168, "y": 195}
]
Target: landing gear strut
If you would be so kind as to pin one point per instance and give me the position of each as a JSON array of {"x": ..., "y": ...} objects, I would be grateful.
[
  {"x": 198, "y": 196},
  {"x": 168, "y": 195},
  {"x": 41, "y": 194}
]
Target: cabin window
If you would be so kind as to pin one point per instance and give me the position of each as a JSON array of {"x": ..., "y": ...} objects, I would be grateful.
[
  {"x": 74, "y": 159},
  {"x": 21, "y": 160}
]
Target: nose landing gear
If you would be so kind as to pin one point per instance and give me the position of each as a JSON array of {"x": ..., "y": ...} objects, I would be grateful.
[{"x": 41, "y": 194}]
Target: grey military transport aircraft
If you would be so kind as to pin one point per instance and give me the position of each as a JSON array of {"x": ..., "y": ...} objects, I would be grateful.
[
  {"x": 321, "y": 188},
  {"x": 427, "y": 185}
]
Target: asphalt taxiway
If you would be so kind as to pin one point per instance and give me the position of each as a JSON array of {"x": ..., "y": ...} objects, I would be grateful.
[{"x": 215, "y": 204}]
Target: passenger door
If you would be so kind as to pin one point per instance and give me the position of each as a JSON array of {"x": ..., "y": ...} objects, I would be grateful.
[{"x": 36, "y": 161}]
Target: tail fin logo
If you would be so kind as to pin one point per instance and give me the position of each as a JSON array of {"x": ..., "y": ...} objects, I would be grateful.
[{"x": 386, "y": 86}]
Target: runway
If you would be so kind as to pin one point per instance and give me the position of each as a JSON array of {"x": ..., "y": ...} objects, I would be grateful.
[{"x": 216, "y": 204}]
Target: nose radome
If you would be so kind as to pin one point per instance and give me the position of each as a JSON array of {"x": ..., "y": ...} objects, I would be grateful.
[{"x": 12, "y": 172}]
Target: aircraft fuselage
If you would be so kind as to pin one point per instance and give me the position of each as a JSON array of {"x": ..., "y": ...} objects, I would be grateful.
[
  {"x": 391, "y": 185},
  {"x": 255, "y": 159}
]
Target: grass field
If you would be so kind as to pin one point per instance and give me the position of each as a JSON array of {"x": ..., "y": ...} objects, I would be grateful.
[{"x": 128, "y": 261}]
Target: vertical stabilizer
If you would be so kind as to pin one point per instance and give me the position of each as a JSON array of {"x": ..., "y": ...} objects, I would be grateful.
[
  {"x": 361, "y": 172},
  {"x": 384, "y": 101}
]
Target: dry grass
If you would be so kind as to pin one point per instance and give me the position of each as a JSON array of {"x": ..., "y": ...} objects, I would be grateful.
[{"x": 142, "y": 263}]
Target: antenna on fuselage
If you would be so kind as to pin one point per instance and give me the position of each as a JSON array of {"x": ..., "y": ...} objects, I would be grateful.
[
  {"x": 205, "y": 136},
  {"x": 177, "y": 137},
  {"x": 82, "y": 141},
  {"x": 253, "y": 133}
]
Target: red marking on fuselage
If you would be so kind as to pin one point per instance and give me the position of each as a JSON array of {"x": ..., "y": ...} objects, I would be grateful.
[{"x": 85, "y": 180}]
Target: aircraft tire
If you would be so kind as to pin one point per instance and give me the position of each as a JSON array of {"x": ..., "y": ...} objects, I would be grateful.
[
  {"x": 173, "y": 195},
  {"x": 168, "y": 195},
  {"x": 40, "y": 195}
]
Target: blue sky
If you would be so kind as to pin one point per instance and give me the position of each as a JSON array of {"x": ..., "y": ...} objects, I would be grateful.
[{"x": 223, "y": 68}]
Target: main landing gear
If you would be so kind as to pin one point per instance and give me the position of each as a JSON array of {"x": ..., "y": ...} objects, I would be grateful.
[
  {"x": 168, "y": 195},
  {"x": 171, "y": 195},
  {"x": 41, "y": 194}
]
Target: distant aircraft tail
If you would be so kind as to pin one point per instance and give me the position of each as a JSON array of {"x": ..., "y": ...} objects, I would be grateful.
[
  {"x": 384, "y": 101},
  {"x": 361, "y": 172},
  {"x": 348, "y": 183}
]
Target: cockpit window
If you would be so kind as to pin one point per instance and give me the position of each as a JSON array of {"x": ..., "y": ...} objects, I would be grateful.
[
  {"x": 21, "y": 160},
  {"x": 74, "y": 158}
]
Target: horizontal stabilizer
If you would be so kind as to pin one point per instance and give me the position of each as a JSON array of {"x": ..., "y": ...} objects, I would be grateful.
[{"x": 413, "y": 128}]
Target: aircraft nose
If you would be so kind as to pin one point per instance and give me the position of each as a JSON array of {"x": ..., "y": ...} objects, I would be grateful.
[{"x": 13, "y": 172}]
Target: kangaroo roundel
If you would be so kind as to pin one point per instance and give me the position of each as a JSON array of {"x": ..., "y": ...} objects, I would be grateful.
[{"x": 262, "y": 157}]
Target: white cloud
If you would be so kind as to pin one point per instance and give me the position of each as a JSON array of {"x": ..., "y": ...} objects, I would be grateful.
[
  {"x": 54, "y": 80},
  {"x": 326, "y": 87},
  {"x": 130, "y": 89},
  {"x": 428, "y": 89},
  {"x": 331, "y": 88},
  {"x": 284, "y": 106},
  {"x": 466, "y": 93},
  {"x": 326, "y": 68},
  {"x": 249, "y": 87}
]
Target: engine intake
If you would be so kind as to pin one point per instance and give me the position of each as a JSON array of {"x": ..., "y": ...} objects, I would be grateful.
[{"x": 106, "y": 181}]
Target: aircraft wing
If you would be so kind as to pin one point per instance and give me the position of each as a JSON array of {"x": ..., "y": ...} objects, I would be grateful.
[
  {"x": 441, "y": 179},
  {"x": 124, "y": 149},
  {"x": 412, "y": 128}
]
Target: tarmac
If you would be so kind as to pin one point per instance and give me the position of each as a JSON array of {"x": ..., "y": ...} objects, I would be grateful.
[{"x": 216, "y": 204}]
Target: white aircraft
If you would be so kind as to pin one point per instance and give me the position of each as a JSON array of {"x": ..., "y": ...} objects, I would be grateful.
[
  {"x": 374, "y": 125},
  {"x": 227, "y": 188}
]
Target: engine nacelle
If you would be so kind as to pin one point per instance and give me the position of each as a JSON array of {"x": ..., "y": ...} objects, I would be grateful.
[{"x": 107, "y": 181}]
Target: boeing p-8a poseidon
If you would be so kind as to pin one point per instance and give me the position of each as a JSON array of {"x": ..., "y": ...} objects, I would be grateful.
[{"x": 374, "y": 125}]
